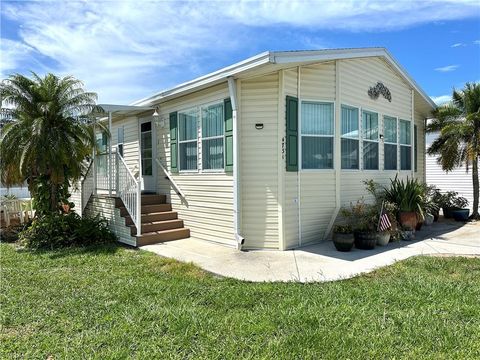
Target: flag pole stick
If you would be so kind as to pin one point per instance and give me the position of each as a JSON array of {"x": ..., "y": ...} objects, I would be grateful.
[{"x": 380, "y": 217}]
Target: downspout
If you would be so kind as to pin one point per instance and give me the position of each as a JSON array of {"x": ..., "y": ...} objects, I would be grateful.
[
  {"x": 240, "y": 240},
  {"x": 110, "y": 153},
  {"x": 412, "y": 137},
  {"x": 337, "y": 150}
]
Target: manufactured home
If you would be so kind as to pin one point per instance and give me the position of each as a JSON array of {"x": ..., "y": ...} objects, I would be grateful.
[{"x": 261, "y": 154}]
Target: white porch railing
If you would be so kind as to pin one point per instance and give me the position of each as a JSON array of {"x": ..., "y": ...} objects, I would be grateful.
[
  {"x": 109, "y": 174},
  {"x": 129, "y": 190},
  {"x": 88, "y": 185}
]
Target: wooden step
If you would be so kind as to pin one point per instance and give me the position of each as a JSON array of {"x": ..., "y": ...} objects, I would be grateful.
[
  {"x": 152, "y": 217},
  {"x": 150, "y": 199},
  {"x": 147, "y": 209},
  {"x": 153, "y": 199},
  {"x": 149, "y": 227},
  {"x": 162, "y": 236}
]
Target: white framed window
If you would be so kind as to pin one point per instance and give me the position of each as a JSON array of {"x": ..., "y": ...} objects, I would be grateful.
[
  {"x": 317, "y": 135},
  {"x": 350, "y": 138},
  {"x": 405, "y": 145},
  {"x": 390, "y": 147},
  {"x": 370, "y": 140},
  {"x": 120, "y": 140},
  {"x": 188, "y": 139},
  {"x": 212, "y": 131}
]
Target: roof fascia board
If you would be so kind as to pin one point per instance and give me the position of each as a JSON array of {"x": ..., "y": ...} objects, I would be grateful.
[{"x": 209, "y": 79}]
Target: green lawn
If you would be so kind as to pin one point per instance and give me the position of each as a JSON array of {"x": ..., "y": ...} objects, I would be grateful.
[{"x": 113, "y": 302}]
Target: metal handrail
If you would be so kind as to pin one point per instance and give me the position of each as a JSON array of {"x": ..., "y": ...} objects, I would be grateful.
[
  {"x": 169, "y": 177},
  {"x": 85, "y": 194},
  {"x": 130, "y": 191}
]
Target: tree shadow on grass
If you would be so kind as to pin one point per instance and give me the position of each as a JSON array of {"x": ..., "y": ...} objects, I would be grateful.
[{"x": 102, "y": 249}]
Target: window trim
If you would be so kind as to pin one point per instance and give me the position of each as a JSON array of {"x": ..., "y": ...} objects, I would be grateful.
[
  {"x": 300, "y": 135},
  {"x": 367, "y": 140},
  {"x": 391, "y": 143},
  {"x": 193, "y": 109},
  {"x": 405, "y": 145},
  {"x": 359, "y": 138},
  {"x": 200, "y": 107}
]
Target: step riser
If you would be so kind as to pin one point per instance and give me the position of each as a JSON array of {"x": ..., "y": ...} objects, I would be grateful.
[
  {"x": 153, "y": 217},
  {"x": 163, "y": 237},
  {"x": 178, "y": 224},
  {"x": 146, "y": 200},
  {"x": 146, "y": 209}
]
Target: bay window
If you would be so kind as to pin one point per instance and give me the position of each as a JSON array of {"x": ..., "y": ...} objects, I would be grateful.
[
  {"x": 390, "y": 143},
  {"x": 370, "y": 140},
  {"x": 317, "y": 135},
  {"x": 405, "y": 145},
  {"x": 350, "y": 143}
]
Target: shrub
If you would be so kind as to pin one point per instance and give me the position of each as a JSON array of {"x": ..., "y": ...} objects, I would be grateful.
[
  {"x": 64, "y": 230},
  {"x": 451, "y": 200},
  {"x": 407, "y": 195}
]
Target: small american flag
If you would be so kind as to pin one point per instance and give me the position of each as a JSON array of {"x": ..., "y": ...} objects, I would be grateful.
[{"x": 384, "y": 222}]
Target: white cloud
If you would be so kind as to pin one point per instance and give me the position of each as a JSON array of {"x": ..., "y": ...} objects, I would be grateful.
[
  {"x": 458, "y": 45},
  {"x": 128, "y": 49},
  {"x": 477, "y": 42},
  {"x": 442, "y": 99},
  {"x": 447, "y": 68}
]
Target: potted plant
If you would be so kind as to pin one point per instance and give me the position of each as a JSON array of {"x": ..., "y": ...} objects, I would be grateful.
[
  {"x": 450, "y": 202},
  {"x": 460, "y": 211},
  {"x": 361, "y": 216},
  {"x": 407, "y": 233},
  {"x": 343, "y": 237},
  {"x": 407, "y": 196}
]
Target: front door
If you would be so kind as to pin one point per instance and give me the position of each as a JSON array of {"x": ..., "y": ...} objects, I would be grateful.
[{"x": 147, "y": 156}]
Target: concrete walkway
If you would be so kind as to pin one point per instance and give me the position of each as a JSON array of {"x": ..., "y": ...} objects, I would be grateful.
[{"x": 321, "y": 262}]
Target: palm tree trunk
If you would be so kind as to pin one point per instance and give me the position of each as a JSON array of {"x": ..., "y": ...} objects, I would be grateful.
[
  {"x": 475, "y": 214},
  {"x": 53, "y": 198}
]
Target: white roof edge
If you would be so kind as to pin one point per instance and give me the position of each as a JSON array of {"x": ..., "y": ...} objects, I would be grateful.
[
  {"x": 223, "y": 73},
  {"x": 285, "y": 57},
  {"x": 116, "y": 107}
]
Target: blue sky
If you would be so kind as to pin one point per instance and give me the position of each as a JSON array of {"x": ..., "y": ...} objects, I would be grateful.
[{"x": 130, "y": 49}]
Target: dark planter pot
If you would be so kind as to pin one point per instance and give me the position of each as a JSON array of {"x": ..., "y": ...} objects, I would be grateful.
[
  {"x": 419, "y": 225},
  {"x": 365, "y": 240},
  {"x": 343, "y": 242},
  {"x": 383, "y": 238},
  {"x": 436, "y": 216},
  {"x": 448, "y": 212},
  {"x": 461, "y": 214},
  {"x": 408, "y": 235},
  {"x": 408, "y": 219}
]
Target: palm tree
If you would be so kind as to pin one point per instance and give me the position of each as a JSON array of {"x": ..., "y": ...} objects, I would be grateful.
[
  {"x": 459, "y": 141},
  {"x": 48, "y": 142}
]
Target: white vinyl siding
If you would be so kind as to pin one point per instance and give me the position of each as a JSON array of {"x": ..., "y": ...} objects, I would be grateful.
[
  {"x": 317, "y": 135},
  {"x": 208, "y": 208}
]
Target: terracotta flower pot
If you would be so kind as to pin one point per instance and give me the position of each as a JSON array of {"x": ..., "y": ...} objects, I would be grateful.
[
  {"x": 66, "y": 208},
  {"x": 408, "y": 219},
  {"x": 343, "y": 242}
]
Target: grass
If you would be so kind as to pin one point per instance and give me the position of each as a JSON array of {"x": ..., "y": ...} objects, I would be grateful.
[{"x": 112, "y": 302}]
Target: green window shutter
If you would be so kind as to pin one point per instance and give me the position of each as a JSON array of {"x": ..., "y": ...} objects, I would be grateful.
[
  {"x": 228, "y": 147},
  {"x": 173, "y": 143},
  {"x": 292, "y": 133}
]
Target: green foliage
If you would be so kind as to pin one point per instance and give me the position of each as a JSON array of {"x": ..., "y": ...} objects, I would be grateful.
[
  {"x": 342, "y": 229},
  {"x": 458, "y": 143},
  {"x": 408, "y": 196},
  {"x": 58, "y": 230},
  {"x": 450, "y": 199},
  {"x": 361, "y": 216},
  {"x": 49, "y": 140}
]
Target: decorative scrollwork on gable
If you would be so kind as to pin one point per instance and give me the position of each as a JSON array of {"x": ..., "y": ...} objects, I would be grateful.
[{"x": 375, "y": 91}]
